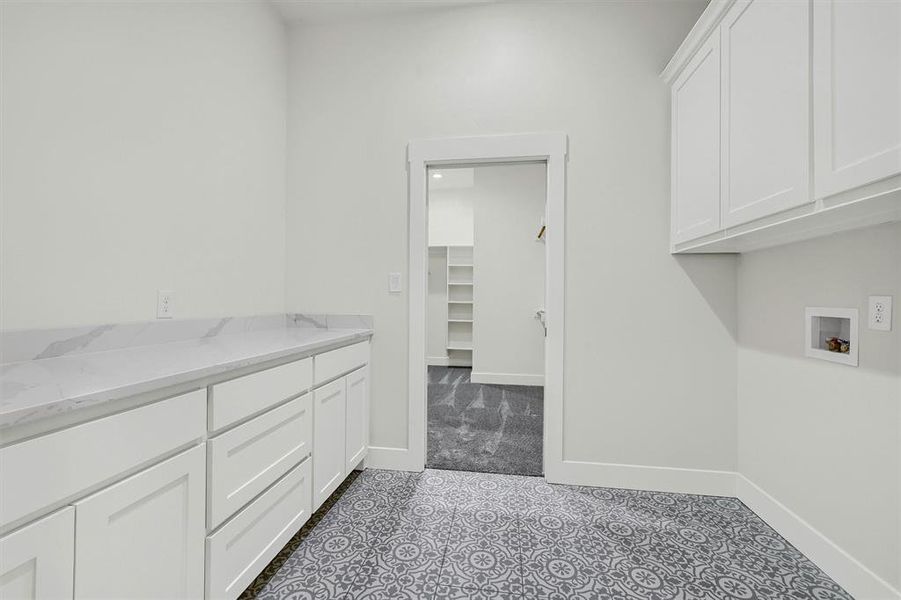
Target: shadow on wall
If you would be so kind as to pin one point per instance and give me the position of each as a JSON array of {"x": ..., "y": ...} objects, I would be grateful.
[
  {"x": 707, "y": 273},
  {"x": 776, "y": 284}
]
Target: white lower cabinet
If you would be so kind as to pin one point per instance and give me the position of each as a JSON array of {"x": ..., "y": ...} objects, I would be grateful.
[
  {"x": 36, "y": 561},
  {"x": 329, "y": 412},
  {"x": 356, "y": 428},
  {"x": 239, "y": 550},
  {"x": 247, "y": 459},
  {"x": 143, "y": 537},
  {"x": 203, "y": 522}
]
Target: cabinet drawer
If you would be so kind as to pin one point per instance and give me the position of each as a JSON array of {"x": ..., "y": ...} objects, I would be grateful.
[
  {"x": 343, "y": 360},
  {"x": 239, "y": 551},
  {"x": 240, "y": 398},
  {"x": 36, "y": 561},
  {"x": 247, "y": 459},
  {"x": 87, "y": 455}
]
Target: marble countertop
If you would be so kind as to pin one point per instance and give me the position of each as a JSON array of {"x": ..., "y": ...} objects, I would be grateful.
[{"x": 38, "y": 389}]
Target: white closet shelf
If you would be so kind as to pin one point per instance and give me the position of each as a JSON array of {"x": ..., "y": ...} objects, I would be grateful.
[
  {"x": 460, "y": 346},
  {"x": 460, "y": 302}
]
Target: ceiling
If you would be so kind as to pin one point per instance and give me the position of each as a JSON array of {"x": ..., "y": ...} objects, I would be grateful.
[
  {"x": 451, "y": 178},
  {"x": 325, "y": 11}
]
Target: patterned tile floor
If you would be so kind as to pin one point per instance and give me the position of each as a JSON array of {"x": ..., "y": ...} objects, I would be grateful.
[{"x": 443, "y": 535}]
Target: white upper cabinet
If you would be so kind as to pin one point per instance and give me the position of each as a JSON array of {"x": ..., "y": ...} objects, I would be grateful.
[
  {"x": 857, "y": 93},
  {"x": 766, "y": 137},
  {"x": 696, "y": 145},
  {"x": 786, "y": 122}
]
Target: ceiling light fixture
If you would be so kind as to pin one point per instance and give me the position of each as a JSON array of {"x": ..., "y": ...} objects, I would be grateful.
[{"x": 437, "y": 175}]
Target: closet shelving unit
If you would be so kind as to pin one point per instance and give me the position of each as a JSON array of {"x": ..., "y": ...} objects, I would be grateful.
[{"x": 459, "y": 304}]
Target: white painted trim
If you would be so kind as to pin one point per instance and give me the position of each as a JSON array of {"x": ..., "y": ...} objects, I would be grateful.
[
  {"x": 446, "y": 361},
  {"x": 847, "y": 571},
  {"x": 548, "y": 147},
  {"x": 644, "y": 477},
  {"x": 393, "y": 459},
  {"x": 706, "y": 25},
  {"x": 811, "y": 313},
  {"x": 507, "y": 378}
]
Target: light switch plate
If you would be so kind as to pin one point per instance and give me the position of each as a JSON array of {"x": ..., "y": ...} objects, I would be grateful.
[
  {"x": 394, "y": 283},
  {"x": 879, "y": 313},
  {"x": 165, "y": 308}
]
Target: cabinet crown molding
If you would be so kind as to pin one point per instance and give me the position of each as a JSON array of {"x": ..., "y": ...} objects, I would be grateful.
[{"x": 706, "y": 24}]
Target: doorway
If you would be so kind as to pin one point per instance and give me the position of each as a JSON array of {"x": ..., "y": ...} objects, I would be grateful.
[
  {"x": 546, "y": 153},
  {"x": 485, "y": 309}
]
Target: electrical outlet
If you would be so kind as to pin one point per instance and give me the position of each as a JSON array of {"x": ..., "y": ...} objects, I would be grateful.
[
  {"x": 165, "y": 308},
  {"x": 880, "y": 313}
]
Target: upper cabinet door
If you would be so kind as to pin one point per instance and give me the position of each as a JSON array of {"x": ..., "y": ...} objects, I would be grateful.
[
  {"x": 766, "y": 80},
  {"x": 857, "y": 93},
  {"x": 696, "y": 145}
]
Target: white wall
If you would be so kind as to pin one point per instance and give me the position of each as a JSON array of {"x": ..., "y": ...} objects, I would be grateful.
[
  {"x": 143, "y": 148},
  {"x": 508, "y": 276},
  {"x": 823, "y": 438},
  {"x": 450, "y": 207},
  {"x": 650, "y": 352},
  {"x": 436, "y": 311}
]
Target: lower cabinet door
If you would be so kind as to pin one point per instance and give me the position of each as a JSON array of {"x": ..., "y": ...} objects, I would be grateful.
[
  {"x": 36, "y": 561},
  {"x": 144, "y": 536},
  {"x": 328, "y": 439},
  {"x": 241, "y": 548},
  {"x": 357, "y": 423}
]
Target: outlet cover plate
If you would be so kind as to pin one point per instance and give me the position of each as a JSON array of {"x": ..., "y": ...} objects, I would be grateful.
[
  {"x": 394, "y": 283},
  {"x": 164, "y": 304},
  {"x": 879, "y": 313}
]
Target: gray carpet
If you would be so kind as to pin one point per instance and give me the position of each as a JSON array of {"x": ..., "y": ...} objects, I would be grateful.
[
  {"x": 449, "y": 535},
  {"x": 484, "y": 428}
]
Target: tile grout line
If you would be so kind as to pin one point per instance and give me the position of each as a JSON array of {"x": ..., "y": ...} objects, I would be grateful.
[
  {"x": 444, "y": 554},
  {"x": 371, "y": 546}
]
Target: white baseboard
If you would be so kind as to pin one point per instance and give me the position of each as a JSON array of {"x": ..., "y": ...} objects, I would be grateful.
[
  {"x": 851, "y": 574},
  {"x": 393, "y": 459},
  {"x": 847, "y": 571},
  {"x": 507, "y": 378},
  {"x": 641, "y": 477}
]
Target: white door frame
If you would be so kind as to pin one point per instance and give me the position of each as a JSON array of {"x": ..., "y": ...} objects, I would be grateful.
[{"x": 421, "y": 154}]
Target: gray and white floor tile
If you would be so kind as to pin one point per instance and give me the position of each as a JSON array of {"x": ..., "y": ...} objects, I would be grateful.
[{"x": 448, "y": 535}]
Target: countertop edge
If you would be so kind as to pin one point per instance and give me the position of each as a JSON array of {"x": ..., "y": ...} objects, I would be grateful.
[{"x": 32, "y": 416}]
